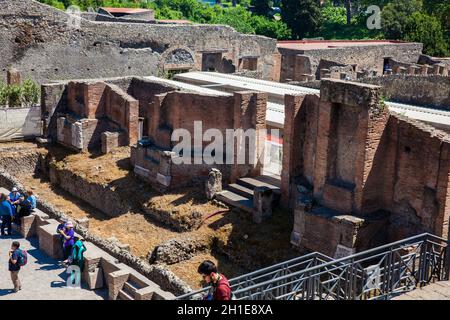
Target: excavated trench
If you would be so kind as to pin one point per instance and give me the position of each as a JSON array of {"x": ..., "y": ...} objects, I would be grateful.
[{"x": 165, "y": 234}]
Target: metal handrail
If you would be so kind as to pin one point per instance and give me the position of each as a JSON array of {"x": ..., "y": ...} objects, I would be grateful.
[
  {"x": 346, "y": 261},
  {"x": 394, "y": 272},
  {"x": 264, "y": 272}
]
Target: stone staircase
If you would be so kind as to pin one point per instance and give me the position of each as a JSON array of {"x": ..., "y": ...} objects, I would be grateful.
[
  {"x": 240, "y": 194},
  {"x": 128, "y": 291}
]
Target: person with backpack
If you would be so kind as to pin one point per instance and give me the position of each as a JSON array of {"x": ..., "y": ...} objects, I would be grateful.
[
  {"x": 220, "y": 287},
  {"x": 6, "y": 214},
  {"x": 77, "y": 256},
  {"x": 17, "y": 259}
]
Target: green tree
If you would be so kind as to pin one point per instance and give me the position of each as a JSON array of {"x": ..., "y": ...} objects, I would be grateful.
[
  {"x": 394, "y": 16},
  {"x": 423, "y": 28},
  {"x": 262, "y": 7},
  {"x": 303, "y": 17},
  {"x": 270, "y": 28}
]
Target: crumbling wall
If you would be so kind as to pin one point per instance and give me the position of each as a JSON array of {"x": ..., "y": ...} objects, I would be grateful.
[
  {"x": 47, "y": 44},
  {"x": 433, "y": 90},
  {"x": 419, "y": 193},
  {"x": 369, "y": 57}
]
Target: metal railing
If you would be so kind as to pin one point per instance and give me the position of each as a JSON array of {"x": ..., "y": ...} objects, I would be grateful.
[
  {"x": 378, "y": 273},
  {"x": 266, "y": 274}
]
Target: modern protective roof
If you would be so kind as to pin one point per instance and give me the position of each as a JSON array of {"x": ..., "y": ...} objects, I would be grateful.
[
  {"x": 243, "y": 83},
  {"x": 276, "y": 91}
]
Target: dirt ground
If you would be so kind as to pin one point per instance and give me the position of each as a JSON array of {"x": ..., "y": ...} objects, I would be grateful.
[{"x": 243, "y": 245}]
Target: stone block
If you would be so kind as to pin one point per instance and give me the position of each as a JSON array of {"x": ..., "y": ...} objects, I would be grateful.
[
  {"x": 110, "y": 141},
  {"x": 349, "y": 93},
  {"x": 49, "y": 240},
  {"x": 13, "y": 77},
  {"x": 214, "y": 183},
  {"x": 28, "y": 226},
  {"x": 115, "y": 281},
  {"x": 263, "y": 201},
  {"x": 94, "y": 279}
]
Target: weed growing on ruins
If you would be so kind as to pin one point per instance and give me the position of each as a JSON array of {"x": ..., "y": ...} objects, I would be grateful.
[
  {"x": 31, "y": 92},
  {"x": 3, "y": 94},
  {"x": 15, "y": 93},
  {"x": 16, "y": 96}
]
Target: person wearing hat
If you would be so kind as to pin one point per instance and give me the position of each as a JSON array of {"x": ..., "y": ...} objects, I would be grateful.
[
  {"x": 68, "y": 234},
  {"x": 14, "y": 196}
]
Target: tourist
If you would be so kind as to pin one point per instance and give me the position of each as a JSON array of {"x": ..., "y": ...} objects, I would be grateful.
[
  {"x": 25, "y": 206},
  {"x": 14, "y": 265},
  {"x": 6, "y": 214},
  {"x": 77, "y": 256},
  {"x": 68, "y": 233},
  {"x": 14, "y": 196},
  {"x": 220, "y": 288}
]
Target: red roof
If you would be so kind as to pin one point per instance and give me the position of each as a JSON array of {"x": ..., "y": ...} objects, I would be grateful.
[
  {"x": 125, "y": 10},
  {"x": 324, "y": 44}
]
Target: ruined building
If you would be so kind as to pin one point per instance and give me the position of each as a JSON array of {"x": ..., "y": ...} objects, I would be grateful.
[
  {"x": 48, "y": 44},
  {"x": 358, "y": 174},
  {"x": 308, "y": 60}
]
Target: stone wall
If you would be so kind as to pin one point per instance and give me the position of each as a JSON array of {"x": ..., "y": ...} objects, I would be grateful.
[
  {"x": 432, "y": 91},
  {"x": 159, "y": 274},
  {"x": 358, "y": 176},
  {"x": 154, "y": 160},
  {"x": 19, "y": 123},
  {"x": 365, "y": 57},
  {"x": 46, "y": 44},
  {"x": 84, "y": 110}
]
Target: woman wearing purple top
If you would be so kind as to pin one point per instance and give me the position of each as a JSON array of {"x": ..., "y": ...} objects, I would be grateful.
[{"x": 68, "y": 233}]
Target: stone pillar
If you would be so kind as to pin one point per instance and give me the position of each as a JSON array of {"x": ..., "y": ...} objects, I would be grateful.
[
  {"x": 424, "y": 69},
  {"x": 402, "y": 70},
  {"x": 324, "y": 73},
  {"x": 436, "y": 69},
  {"x": 214, "y": 183},
  {"x": 263, "y": 198},
  {"x": 413, "y": 69},
  {"x": 13, "y": 77},
  {"x": 110, "y": 141}
]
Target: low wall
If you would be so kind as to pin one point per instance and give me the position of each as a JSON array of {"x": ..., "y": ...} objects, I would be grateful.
[
  {"x": 19, "y": 123},
  {"x": 160, "y": 275},
  {"x": 431, "y": 90}
]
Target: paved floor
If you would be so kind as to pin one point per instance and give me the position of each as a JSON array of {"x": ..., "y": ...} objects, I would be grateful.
[
  {"x": 435, "y": 291},
  {"x": 42, "y": 278}
]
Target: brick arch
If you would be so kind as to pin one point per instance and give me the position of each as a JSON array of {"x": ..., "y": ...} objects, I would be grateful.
[{"x": 177, "y": 57}]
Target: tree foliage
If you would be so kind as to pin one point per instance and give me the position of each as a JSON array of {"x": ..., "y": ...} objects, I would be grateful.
[{"x": 302, "y": 16}]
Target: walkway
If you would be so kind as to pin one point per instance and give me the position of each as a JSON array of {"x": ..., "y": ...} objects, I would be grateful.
[
  {"x": 435, "y": 291},
  {"x": 42, "y": 278}
]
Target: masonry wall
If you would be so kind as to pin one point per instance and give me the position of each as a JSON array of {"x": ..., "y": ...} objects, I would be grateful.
[
  {"x": 370, "y": 57},
  {"x": 154, "y": 160},
  {"x": 431, "y": 90},
  {"x": 418, "y": 196},
  {"x": 369, "y": 176},
  {"x": 45, "y": 44}
]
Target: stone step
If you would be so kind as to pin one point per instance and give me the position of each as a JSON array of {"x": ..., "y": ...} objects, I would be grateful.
[
  {"x": 240, "y": 190},
  {"x": 235, "y": 200},
  {"x": 124, "y": 296},
  {"x": 272, "y": 180},
  {"x": 252, "y": 183},
  {"x": 130, "y": 288}
]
